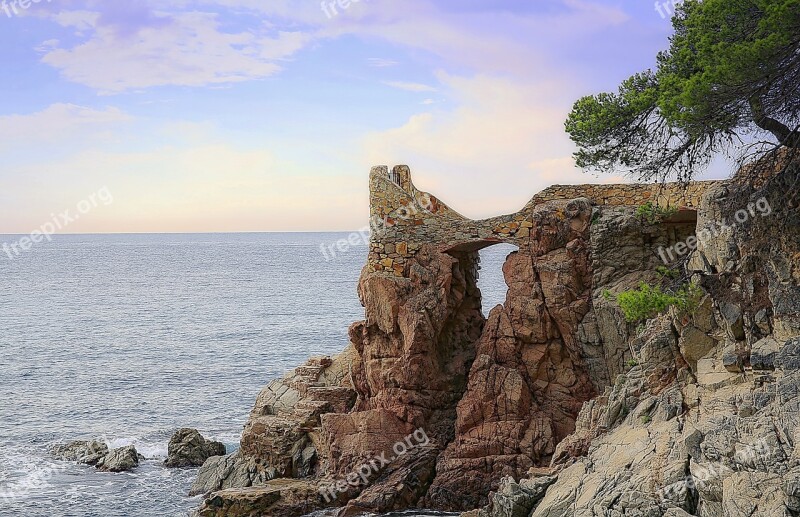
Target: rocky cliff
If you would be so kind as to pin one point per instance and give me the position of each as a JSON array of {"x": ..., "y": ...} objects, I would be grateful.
[{"x": 554, "y": 404}]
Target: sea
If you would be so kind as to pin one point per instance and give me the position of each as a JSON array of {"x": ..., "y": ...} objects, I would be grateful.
[{"x": 126, "y": 338}]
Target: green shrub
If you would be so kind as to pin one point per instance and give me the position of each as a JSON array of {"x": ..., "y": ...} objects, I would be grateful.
[
  {"x": 648, "y": 301},
  {"x": 665, "y": 272},
  {"x": 646, "y": 419},
  {"x": 688, "y": 298},
  {"x": 655, "y": 214},
  {"x": 632, "y": 363}
]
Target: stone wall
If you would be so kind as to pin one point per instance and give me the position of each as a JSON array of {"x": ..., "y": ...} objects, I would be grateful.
[{"x": 676, "y": 195}]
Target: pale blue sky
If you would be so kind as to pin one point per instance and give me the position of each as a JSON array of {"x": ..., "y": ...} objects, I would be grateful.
[{"x": 266, "y": 115}]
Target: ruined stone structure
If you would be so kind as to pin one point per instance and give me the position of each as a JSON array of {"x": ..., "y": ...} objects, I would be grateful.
[{"x": 403, "y": 218}]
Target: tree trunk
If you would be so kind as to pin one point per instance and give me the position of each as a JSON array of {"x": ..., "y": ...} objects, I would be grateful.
[{"x": 781, "y": 131}]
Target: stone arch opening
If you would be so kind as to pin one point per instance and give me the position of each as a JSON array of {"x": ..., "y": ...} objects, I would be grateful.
[
  {"x": 491, "y": 280},
  {"x": 491, "y": 256}
]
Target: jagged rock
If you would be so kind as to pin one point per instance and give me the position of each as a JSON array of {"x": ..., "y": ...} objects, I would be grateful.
[
  {"x": 733, "y": 359},
  {"x": 514, "y": 499},
  {"x": 188, "y": 448},
  {"x": 528, "y": 381},
  {"x": 788, "y": 358},
  {"x": 279, "y": 433},
  {"x": 230, "y": 471},
  {"x": 86, "y": 452},
  {"x": 791, "y": 488},
  {"x": 633, "y": 467},
  {"x": 762, "y": 356},
  {"x": 732, "y": 316},
  {"x": 695, "y": 344},
  {"x": 676, "y": 512},
  {"x": 401, "y": 486},
  {"x": 119, "y": 460}
]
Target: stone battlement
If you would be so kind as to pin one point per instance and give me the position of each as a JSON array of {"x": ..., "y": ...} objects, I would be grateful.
[{"x": 403, "y": 218}]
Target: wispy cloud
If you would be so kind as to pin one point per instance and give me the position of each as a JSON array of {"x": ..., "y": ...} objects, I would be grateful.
[
  {"x": 379, "y": 62},
  {"x": 59, "y": 121},
  {"x": 186, "y": 49},
  {"x": 410, "y": 87}
]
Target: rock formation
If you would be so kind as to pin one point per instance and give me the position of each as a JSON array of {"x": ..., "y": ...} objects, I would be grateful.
[
  {"x": 119, "y": 460},
  {"x": 86, "y": 452},
  {"x": 97, "y": 454},
  {"x": 705, "y": 421},
  {"x": 188, "y": 448},
  {"x": 553, "y": 405}
]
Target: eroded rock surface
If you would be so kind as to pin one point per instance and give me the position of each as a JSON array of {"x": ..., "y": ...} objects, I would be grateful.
[
  {"x": 528, "y": 380},
  {"x": 705, "y": 422}
]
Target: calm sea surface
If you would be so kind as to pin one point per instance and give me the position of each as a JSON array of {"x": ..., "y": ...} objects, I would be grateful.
[{"x": 129, "y": 337}]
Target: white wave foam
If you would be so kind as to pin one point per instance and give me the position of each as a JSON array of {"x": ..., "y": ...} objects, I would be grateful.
[{"x": 150, "y": 450}]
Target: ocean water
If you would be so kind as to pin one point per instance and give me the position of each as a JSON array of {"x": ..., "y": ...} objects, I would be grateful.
[{"x": 126, "y": 338}]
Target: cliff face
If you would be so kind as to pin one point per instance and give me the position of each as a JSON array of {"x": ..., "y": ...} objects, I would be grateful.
[
  {"x": 554, "y": 405},
  {"x": 705, "y": 421},
  {"x": 529, "y": 379}
]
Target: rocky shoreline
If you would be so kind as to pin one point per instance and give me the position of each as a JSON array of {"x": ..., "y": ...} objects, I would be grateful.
[
  {"x": 555, "y": 404},
  {"x": 186, "y": 448}
]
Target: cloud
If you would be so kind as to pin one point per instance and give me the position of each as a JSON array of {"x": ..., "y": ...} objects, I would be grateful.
[
  {"x": 186, "y": 49},
  {"x": 378, "y": 62},
  {"x": 58, "y": 122},
  {"x": 133, "y": 46},
  {"x": 410, "y": 87},
  {"x": 506, "y": 36},
  {"x": 165, "y": 175},
  {"x": 213, "y": 187}
]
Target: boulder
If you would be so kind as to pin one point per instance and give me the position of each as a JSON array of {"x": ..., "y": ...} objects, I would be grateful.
[
  {"x": 188, "y": 448},
  {"x": 86, "y": 452},
  {"x": 762, "y": 357},
  {"x": 695, "y": 344},
  {"x": 119, "y": 460}
]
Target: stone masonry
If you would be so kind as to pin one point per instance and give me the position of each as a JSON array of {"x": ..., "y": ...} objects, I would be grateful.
[{"x": 404, "y": 218}]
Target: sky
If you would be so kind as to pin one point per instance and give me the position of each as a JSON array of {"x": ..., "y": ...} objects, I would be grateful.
[{"x": 266, "y": 115}]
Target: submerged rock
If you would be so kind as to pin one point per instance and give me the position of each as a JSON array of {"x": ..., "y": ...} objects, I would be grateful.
[{"x": 188, "y": 448}]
